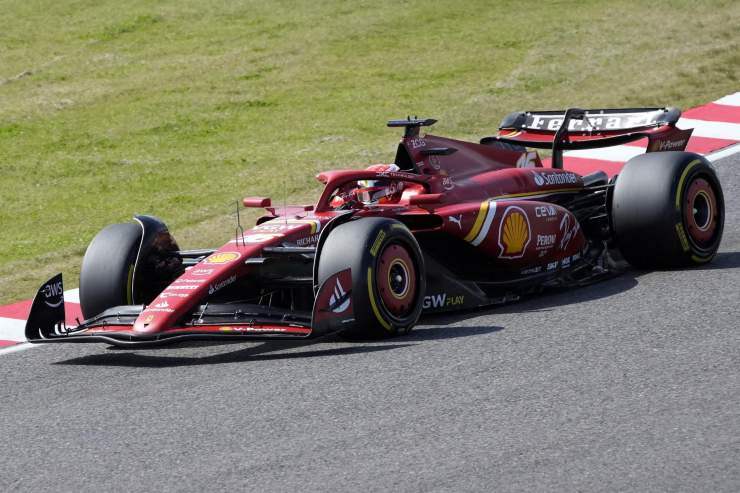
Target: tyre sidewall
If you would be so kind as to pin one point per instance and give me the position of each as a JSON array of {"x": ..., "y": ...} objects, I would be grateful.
[
  {"x": 107, "y": 269},
  {"x": 647, "y": 209},
  {"x": 357, "y": 245}
]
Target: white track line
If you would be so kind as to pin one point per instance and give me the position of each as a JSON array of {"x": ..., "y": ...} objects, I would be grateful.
[
  {"x": 722, "y": 153},
  {"x": 715, "y": 130},
  {"x": 730, "y": 100},
  {"x": 72, "y": 296},
  {"x": 623, "y": 153},
  {"x": 12, "y": 329},
  {"x": 18, "y": 347}
]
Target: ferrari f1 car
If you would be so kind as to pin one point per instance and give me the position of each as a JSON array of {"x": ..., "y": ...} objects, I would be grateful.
[{"x": 449, "y": 225}]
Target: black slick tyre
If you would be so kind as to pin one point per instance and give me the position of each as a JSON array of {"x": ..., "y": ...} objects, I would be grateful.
[
  {"x": 388, "y": 279},
  {"x": 106, "y": 276},
  {"x": 667, "y": 210}
]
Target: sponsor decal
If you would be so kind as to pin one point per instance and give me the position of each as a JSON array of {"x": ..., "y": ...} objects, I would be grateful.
[
  {"x": 669, "y": 145},
  {"x": 222, "y": 258},
  {"x": 448, "y": 183},
  {"x": 565, "y": 262},
  {"x": 417, "y": 143},
  {"x": 53, "y": 294},
  {"x": 681, "y": 237},
  {"x": 545, "y": 241},
  {"x": 434, "y": 161},
  {"x": 542, "y": 179},
  {"x": 575, "y": 256},
  {"x": 182, "y": 287},
  {"x": 442, "y": 300},
  {"x": 275, "y": 227},
  {"x": 160, "y": 310},
  {"x": 188, "y": 281},
  {"x": 567, "y": 230},
  {"x": 282, "y": 225},
  {"x": 339, "y": 300},
  {"x": 172, "y": 295},
  {"x": 514, "y": 233},
  {"x": 308, "y": 240},
  {"x": 148, "y": 319},
  {"x": 376, "y": 244},
  {"x": 201, "y": 272},
  {"x": 162, "y": 304},
  {"x": 604, "y": 121},
  {"x": 532, "y": 270},
  {"x": 212, "y": 288},
  {"x": 457, "y": 220},
  {"x": 552, "y": 265},
  {"x": 252, "y": 329},
  {"x": 401, "y": 175},
  {"x": 545, "y": 211},
  {"x": 482, "y": 223}
]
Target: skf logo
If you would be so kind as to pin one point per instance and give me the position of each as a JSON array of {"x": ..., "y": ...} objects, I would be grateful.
[{"x": 514, "y": 233}]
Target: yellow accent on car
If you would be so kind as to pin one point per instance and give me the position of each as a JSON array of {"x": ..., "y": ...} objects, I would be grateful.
[
  {"x": 701, "y": 260},
  {"x": 680, "y": 181},
  {"x": 515, "y": 233},
  {"x": 376, "y": 244},
  {"x": 374, "y": 306},
  {"x": 478, "y": 221},
  {"x": 540, "y": 192},
  {"x": 130, "y": 285},
  {"x": 682, "y": 237}
]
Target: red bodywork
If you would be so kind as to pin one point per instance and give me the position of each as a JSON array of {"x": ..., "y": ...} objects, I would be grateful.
[{"x": 495, "y": 197}]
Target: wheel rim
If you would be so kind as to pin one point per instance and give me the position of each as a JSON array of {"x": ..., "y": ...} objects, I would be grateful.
[
  {"x": 396, "y": 280},
  {"x": 700, "y": 212}
]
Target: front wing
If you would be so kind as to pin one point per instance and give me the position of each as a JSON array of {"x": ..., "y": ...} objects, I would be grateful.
[{"x": 212, "y": 322}]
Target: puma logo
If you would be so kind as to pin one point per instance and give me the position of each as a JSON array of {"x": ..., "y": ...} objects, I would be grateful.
[{"x": 457, "y": 220}]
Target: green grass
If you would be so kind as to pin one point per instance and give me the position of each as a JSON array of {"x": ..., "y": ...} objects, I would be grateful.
[{"x": 178, "y": 108}]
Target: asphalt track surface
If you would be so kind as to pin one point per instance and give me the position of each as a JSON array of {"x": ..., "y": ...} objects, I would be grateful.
[{"x": 631, "y": 384}]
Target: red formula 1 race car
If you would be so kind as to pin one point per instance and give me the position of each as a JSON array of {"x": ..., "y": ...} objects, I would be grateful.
[{"x": 450, "y": 225}]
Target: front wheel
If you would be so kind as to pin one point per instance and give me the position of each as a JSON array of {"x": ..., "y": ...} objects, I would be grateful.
[
  {"x": 388, "y": 279},
  {"x": 106, "y": 276},
  {"x": 668, "y": 210}
]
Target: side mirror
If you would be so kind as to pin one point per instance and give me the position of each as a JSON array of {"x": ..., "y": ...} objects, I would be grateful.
[{"x": 257, "y": 202}]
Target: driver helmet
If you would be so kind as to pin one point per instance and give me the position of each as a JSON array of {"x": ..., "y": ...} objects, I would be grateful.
[{"x": 382, "y": 191}]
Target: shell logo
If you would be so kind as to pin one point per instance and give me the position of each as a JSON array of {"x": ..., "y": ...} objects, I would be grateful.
[
  {"x": 222, "y": 258},
  {"x": 514, "y": 233}
]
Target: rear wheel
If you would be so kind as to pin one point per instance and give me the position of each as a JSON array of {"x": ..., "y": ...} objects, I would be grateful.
[
  {"x": 668, "y": 210},
  {"x": 387, "y": 268}
]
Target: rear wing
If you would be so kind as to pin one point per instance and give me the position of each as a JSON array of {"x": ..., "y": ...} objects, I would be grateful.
[{"x": 577, "y": 128}]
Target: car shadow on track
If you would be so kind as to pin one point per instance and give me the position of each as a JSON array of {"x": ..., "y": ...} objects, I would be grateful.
[
  {"x": 267, "y": 351},
  {"x": 553, "y": 297}
]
